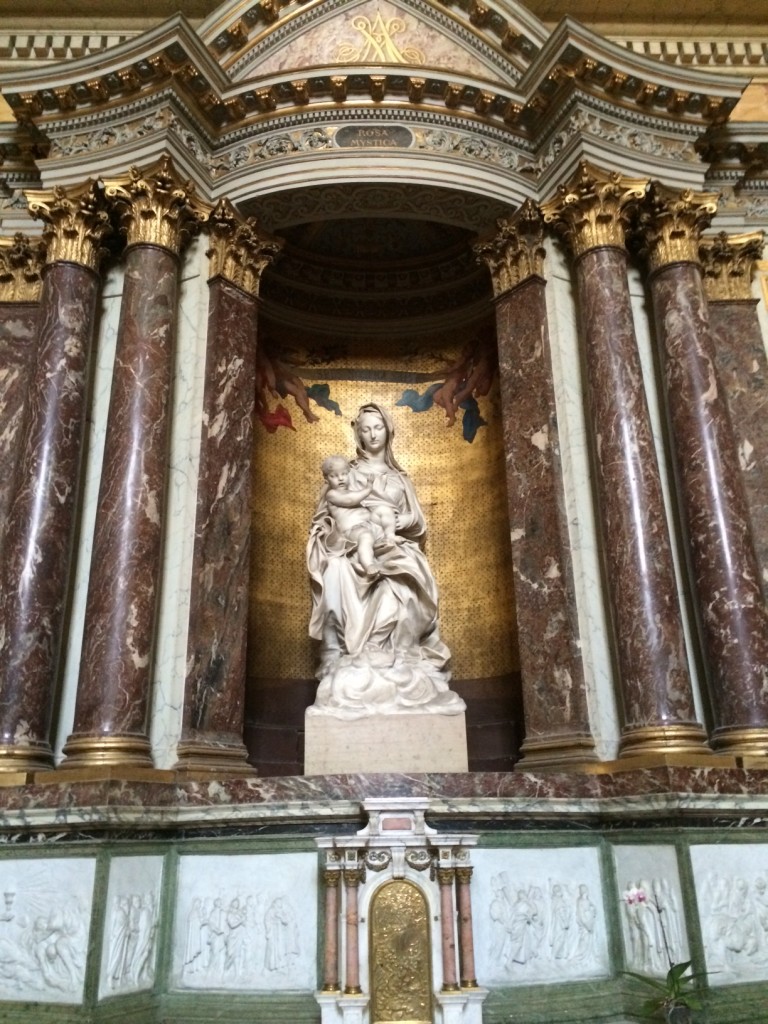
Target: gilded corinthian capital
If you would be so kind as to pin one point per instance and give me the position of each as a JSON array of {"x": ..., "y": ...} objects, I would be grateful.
[
  {"x": 728, "y": 262},
  {"x": 21, "y": 265},
  {"x": 671, "y": 222},
  {"x": 594, "y": 208},
  {"x": 76, "y": 223},
  {"x": 156, "y": 208},
  {"x": 516, "y": 251},
  {"x": 239, "y": 250}
]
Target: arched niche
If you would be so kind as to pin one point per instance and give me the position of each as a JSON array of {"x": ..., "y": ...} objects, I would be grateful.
[{"x": 382, "y": 301}]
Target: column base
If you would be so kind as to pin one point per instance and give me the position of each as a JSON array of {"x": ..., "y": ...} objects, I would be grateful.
[
  {"x": 464, "y": 1007},
  {"x": 557, "y": 752},
  {"x": 741, "y": 742},
  {"x": 664, "y": 739},
  {"x": 126, "y": 751},
  {"x": 25, "y": 757},
  {"x": 197, "y": 756}
]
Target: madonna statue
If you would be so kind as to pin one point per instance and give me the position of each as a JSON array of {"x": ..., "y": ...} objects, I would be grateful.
[{"x": 374, "y": 598}]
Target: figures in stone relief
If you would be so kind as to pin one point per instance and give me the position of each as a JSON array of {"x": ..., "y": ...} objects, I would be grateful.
[
  {"x": 531, "y": 926},
  {"x": 380, "y": 648},
  {"x": 654, "y": 926},
  {"x": 734, "y": 917},
  {"x": 131, "y": 955},
  {"x": 239, "y": 939}
]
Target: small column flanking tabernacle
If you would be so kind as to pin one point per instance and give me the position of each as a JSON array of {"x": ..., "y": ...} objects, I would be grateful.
[
  {"x": 466, "y": 939},
  {"x": 21, "y": 280},
  {"x": 331, "y": 879},
  {"x": 158, "y": 213},
  {"x": 212, "y": 731},
  {"x": 445, "y": 879},
  {"x": 742, "y": 367},
  {"x": 591, "y": 212},
  {"x": 733, "y": 615},
  {"x": 34, "y": 576},
  {"x": 353, "y": 875},
  {"x": 556, "y": 715}
]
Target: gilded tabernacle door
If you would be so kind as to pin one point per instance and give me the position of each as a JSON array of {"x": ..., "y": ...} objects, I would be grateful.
[{"x": 400, "y": 981}]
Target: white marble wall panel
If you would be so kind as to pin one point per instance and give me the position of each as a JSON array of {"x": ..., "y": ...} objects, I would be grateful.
[
  {"x": 655, "y": 397},
  {"x": 181, "y": 504},
  {"x": 129, "y": 949},
  {"x": 246, "y": 923},
  {"x": 44, "y": 922},
  {"x": 732, "y": 897},
  {"x": 112, "y": 293},
  {"x": 582, "y": 525},
  {"x": 538, "y": 916},
  {"x": 652, "y": 910}
]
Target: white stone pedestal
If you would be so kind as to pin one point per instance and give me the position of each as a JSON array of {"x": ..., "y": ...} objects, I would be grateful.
[{"x": 407, "y": 742}]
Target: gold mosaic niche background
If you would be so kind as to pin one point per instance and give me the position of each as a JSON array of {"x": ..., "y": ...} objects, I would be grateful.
[{"x": 462, "y": 491}]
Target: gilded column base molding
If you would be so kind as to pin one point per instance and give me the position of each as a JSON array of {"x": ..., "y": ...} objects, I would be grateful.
[
  {"x": 353, "y": 990},
  {"x": 741, "y": 742},
  {"x": 207, "y": 757},
  {"x": 451, "y": 988},
  {"x": 664, "y": 739},
  {"x": 17, "y": 758},
  {"x": 470, "y": 983},
  {"x": 126, "y": 751},
  {"x": 560, "y": 752},
  {"x": 332, "y": 988}
]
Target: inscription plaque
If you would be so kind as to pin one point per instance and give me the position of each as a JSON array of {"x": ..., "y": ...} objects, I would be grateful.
[{"x": 374, "y": 136}]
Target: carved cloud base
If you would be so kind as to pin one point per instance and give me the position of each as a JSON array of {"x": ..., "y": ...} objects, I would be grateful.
[{"x": 414, "y": 742}]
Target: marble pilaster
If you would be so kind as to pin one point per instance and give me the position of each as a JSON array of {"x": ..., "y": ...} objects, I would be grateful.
[
  {"x": 658, "y": 705},
  {"x": 158, "y": 214},
  {"x": 21, "y": 265},
  {"x": 554, "y": 699},
  {"x": 732, "y": 612},
  {"x": 34, "y": 576},
  {"x": 742, "y": 367},
  {"x": 212, "y": 732}
]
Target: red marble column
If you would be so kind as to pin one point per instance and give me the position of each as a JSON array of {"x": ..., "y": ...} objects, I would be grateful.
[
  {"x": 557, "y": 728},
  {"x": 466, "y": 938},
  {"x": 445, "y": 878},
  {"x": 214, "y": 698},
  {"x": 657, "y": 696},
  {"x": 742, "y": 367},
  {"x": 733, "y": 615},
  {"x": 331, "y": 878},
  {"x": 352, "y": 879},
  {"x": 34, "y": 576},
  {"x": 113, "y": 694},
  {"x": 21, "y": 266}
]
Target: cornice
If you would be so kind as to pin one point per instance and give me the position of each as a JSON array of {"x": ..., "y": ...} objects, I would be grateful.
[{"x": 174, "y": 57}]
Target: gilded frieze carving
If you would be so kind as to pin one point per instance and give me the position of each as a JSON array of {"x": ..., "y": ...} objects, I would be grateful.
[
  {"x": 76, "y": 223},
  {"x": 593, "y": 209},
  {"x": 516, "y": 251},
  {"x": 239, "y": 250},
  {"x": 156, "y": 208},
  {"x": 728, "y": 262},
  {"x": 671, "y": 222},
  {"x": 21, "y": 264}
]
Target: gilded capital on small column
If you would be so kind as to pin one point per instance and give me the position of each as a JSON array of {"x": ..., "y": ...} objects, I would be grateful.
[
  {"x": 671, "y": 223},
  {"x": 239, "y": 250},
  {"x": 21, "y": 265},
  {"x": 76, "y": 223},
  {"x": 156, "y": 208},
  {"x": 464, "y": 875},
  {"x": 516, "y": 251},
  {"x": 445, "y": 876},
  {"x": 331, "y": 877},
  {"x": 594, "y": 208},
  {"x": 728, "y": 262}
]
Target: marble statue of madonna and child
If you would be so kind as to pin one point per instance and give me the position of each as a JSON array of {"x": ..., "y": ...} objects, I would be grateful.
[{"x": 374, "y": 598}]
